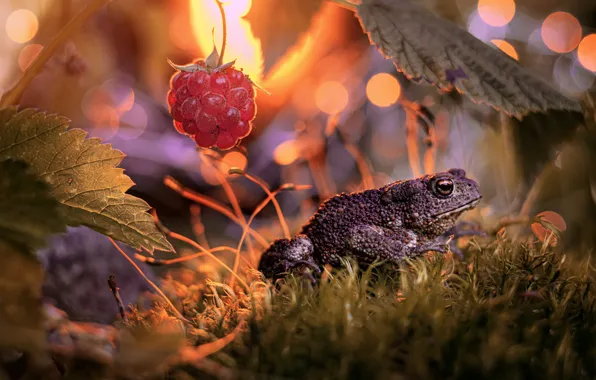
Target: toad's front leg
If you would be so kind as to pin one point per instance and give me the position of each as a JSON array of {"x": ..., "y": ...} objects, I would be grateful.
[{"x": 286, "y": 256}]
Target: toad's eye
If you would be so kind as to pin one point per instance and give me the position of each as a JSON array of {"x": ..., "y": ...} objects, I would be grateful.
[{"x": 444, "y": 187}]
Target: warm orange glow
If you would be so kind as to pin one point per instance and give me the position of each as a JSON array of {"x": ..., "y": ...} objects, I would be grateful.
[
  {"x": 561, "y": 32},
  {"x": 331, "y": 97},
  {"x": 383, "y": 90},
  {"x": 496, "y": 12},
  {"x": 241, "y": 44},
  {"x": 586, "y": 52},
  {"x": 286, "y": 153},
  {"x": 506, "y": 47},
  {"x": 179, "y": 31},
  {"x": 21, "y": 25},
  {"x": 233, "y": 160},
  {"x": 28, "y": 55}
]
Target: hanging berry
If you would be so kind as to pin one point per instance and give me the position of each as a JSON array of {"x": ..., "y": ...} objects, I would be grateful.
[
  {"x": 218, "y": 101},
  {"x": 212, "y": 102}
]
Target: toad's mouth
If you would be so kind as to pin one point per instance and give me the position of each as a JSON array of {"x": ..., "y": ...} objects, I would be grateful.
[{"x": 467, "y": 206}]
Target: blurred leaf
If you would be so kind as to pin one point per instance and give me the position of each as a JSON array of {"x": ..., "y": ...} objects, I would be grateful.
[
  {"x": 279, "y": 24},
  {"x": 21, "y": 316},
  {"x": 83, "y": 175},
  {"x": 537, "y": 137},
  {"x": 425, "y": 46},
  {"x": 28, "y": 214}
]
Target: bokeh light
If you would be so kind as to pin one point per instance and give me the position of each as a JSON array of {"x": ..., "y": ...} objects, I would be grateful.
[
  {"x": 233, "y": 160},
  {"x": 286, "y": 153},
  {"x": 481, "y": 30},
  {"x": 383, "y": 90},
  {"x": 21, "y": 25},
  {"x": 506, "y": 47},
  {"x": 133, "y": 122},
  {"x": 586, "y": 52},
  {"x": 331, "y": 97},
  {"x": 561, "y": 32},
  {"x": 571, "y": 77},
  {"x": 28, "y": 55},
  {"x": 496, "y": 12}
]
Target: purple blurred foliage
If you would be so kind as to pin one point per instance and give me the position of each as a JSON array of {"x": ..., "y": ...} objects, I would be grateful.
[{"x": 78, "y": 264}]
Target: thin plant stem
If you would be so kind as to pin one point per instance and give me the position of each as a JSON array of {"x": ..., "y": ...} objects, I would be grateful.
[
  {"x": 182, "y": 238},
  {"x": 157, "y": 289},
  {"x": 206, "y": 201},
  {"x": 211, "y": 255},
  {"x": 263, "y": 185},
  {"x": 412, "y": 142},
  {"x": 153, "y": 261},
  {"x": 229, "y": 193},
  {"x": 224, "y": 32},
  {"x": 198, "y": 228},
  {"x": 13, "y": 96},
  {"x": 116, "y": 292},
  {"x": 259, "y": 208}
]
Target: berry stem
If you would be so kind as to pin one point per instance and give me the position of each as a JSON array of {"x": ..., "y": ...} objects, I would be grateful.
[
  {"x": 224, "y": 32},
  {"x": 13, "y": 96}
]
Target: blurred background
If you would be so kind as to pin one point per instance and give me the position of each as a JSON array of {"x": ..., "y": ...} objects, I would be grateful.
[{"x": 339, "y": 118}]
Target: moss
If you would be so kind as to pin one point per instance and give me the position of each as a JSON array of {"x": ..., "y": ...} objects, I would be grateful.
[{"x": 509, "y": 311}]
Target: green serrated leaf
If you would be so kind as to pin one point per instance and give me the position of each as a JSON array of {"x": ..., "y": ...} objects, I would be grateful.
[
  {"x": 279, "y": 25},
  {"x": 426, "y": 47},
  {"x": 28, "y": 214},
  {"x": 83, "y": 175}
]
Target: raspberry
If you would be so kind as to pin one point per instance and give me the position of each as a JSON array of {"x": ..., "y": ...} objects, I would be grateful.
[
  {"x": 247, "y": 85},
  {"x": 236, "y": 77},
  {"x": 179, "y": 127},
  {"x": 225, "y": 140},
  {"x": 229, "y": 117},
  {"x": 206, "y": 122},
  {"x": 178, "y": 80},
  {"x": 171, "y": 98},
  {"x": 199, "y": 83},
  {"x": 213, "y": 105},
  {"x": 220, "y": 83},
  {"x": 182, "y": 94},
  {"x": 237, "y": 97},
  {"x": 190, "y": 108},
  {"x": 248, "y": 111},
  {"x": 240, "y": 130},
  {"x": 190, "y": 127},
  {"x": 206, "y": 139},
  {"x": 176, "y": 114}
]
